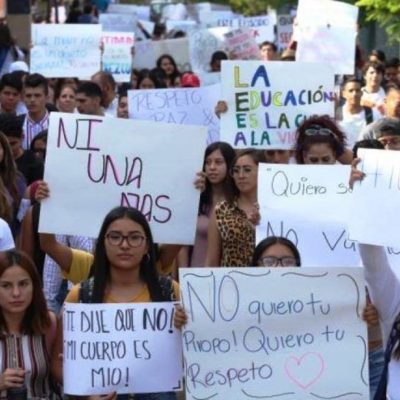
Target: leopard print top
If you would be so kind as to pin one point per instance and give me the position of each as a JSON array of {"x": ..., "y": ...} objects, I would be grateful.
[{"x": 237, "y": 235}]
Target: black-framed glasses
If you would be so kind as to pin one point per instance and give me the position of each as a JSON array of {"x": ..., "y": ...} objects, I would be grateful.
[
  {"x": 117, "y": 238},
  {"x": 318, "y": 131},
  {"x": 272, "y": 261}
]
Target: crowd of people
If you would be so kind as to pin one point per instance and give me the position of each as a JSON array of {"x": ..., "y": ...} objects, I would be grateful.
[{"x": 38, "y": 272}]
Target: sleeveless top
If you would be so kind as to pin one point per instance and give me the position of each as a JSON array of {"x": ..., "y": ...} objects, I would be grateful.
[
  {"x": 237, "y": 235},
  {"x": 29, "y": 353}
]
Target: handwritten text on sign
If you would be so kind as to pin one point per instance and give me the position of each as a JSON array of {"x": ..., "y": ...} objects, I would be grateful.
[
  {"x": 375, "y": 216},
  {"x": 318, "y": 193},
  {"x": 112, "y": 162},
  {"x": 267, "y": 102},
  {"x": 179, "y": 106},
  {"x": 117, "y": 55},
  {"x": 127, "y": 348},
  {"x": 59, "y": 51},
  {"x": 267, "y": 333}
]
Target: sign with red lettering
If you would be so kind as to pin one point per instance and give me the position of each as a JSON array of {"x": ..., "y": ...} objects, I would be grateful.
[{"x": 94, "y": 164}]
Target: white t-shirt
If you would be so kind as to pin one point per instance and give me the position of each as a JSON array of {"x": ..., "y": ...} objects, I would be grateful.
[
  {"x": 377, "y": 98},
  {"x": 353, "y": 124},
  {"x": 6, "y": 238}
]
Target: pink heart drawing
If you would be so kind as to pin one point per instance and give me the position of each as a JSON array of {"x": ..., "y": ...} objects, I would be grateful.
[{"x": 306, "y": 370}]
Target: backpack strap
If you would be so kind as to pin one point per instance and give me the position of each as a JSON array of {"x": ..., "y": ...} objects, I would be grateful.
[
  {"x": 167, "y": 288},
  {"x": 86, "y": 291},
  {"x": 369, "y": 117}
]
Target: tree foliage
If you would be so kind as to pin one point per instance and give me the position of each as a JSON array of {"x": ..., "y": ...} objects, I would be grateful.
[{"x": 386, "y": 13}]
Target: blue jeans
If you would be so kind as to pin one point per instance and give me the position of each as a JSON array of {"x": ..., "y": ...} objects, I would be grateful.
[{"x": 376, "y": 360}]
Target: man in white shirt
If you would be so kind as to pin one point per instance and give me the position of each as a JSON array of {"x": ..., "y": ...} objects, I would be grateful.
[
  {"x": 108, "y": 86},
  {"x": 35, "y": 97}
]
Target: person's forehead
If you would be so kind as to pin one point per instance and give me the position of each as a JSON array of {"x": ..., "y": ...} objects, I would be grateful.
[
  {"x": 9, "y": 89},
  {"x": 34, "y": 90},
  {"x": 390, "y": 136}
]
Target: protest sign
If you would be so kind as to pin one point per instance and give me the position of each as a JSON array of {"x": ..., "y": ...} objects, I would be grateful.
[
  {"x": 316, "y": 192},
  {"x": 285, "y": 31},
  {"x": 59, "y": 51},
  {"x": 242, "y": 45},
  {"x": 327, "y": 12},
  {"x": 322, "y": 244},
  {"x": 112, "y": 162},
  {"x": 334, "y": 46},
  {"x": 117, "y": 54},
  {"x": 147, "y": 58},
  {"x": 180, "y": 25},
  {"x": 375, "y": 218},
  {"x": 268, "y": 101},
  {"x": 193, "y": 106},
  {"x": 142, "y": 12},
  {"x": 209, "y": 78},
  {"x": 203, "y": 43},
  {"x": 326, "y": 33},
  {"x": 261, "y": 27},
  {"x": 178, "y": 47},
  {"x": 118, "y": 22},
  {"x": 272, "y": 333},
  {"x": 123, "y": 348}
]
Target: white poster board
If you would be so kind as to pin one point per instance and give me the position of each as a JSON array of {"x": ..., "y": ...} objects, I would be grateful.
[
  {"x": 145, "y": 56},
  {"x": 202, "y": 44},
  {"x": 326, "y": 33},
  {"x": 142, "y": 12},
  {"x": 262, "y": 27},
  {"x": 268, "y": 101},
  {"x": 60, "y": 52},
  {"x": 118, "y": 22},
  {"x": 117, "y": 54},
  {"x": 123, "y": 348},
  {"x": 113, "y": 162},
  {"x": 375, "y": 218},
  {"x": 194, "y": 106},
  {"x": 241, "y": 44},
  {"x": 178, "y": 48},
  {"x": 274, "y": 333},
  {"x": 285, "y": 31}
]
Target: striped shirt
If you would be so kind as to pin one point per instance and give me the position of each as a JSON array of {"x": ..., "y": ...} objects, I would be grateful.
[
  {"x": 27, "y": 352},
  {"x": 31, "y": 128}
]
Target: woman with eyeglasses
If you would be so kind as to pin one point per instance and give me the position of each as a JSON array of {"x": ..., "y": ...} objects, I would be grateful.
[
  {"x": 277, "y": 251},
  {"x": 122, "y": 271},
  {"x": 320, "y": 141},
  {"x": 231, "y": 233}
]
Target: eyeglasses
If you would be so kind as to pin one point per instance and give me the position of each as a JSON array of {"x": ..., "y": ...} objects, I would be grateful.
[
  {"x": 133, "y": 239},
  {"x": 245, "y": 170},
  {"x": 318, "y": 131},
  {"x": 271, "y": 261}
]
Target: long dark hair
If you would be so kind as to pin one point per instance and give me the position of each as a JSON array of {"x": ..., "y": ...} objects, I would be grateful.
[
  {"x": 336, "y": 141},
  {"x": 176, "y": 72},
  {"x": 101, "y": 265},
  {"x": 36, "y": 319},
  {"x": 228, "y": 153},
  {"x": 8, "y": 169},
  {"x": 270, "y": 241}
]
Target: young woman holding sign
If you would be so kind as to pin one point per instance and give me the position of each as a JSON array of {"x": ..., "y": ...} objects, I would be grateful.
[
  {"x": 281, "y": 252},
  {"x": 123, "y": 271},
  {"x": 231, "y": 233},
  {"x": 27, "y": 330}
]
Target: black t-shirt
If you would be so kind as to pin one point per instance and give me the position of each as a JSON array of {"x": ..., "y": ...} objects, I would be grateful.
[{"x": 30, "y": 166}]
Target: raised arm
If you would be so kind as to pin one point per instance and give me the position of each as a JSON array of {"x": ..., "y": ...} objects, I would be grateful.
[{"x": 60, "y": 253}]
